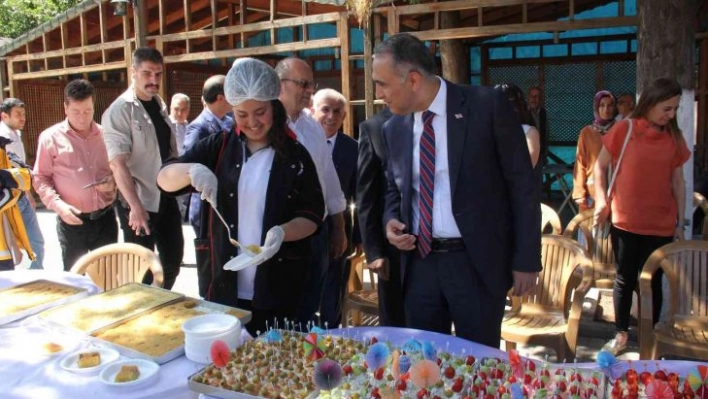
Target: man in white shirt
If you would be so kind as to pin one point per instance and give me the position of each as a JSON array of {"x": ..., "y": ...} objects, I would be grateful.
[
  {"x": 297, "y": 87},
  {"x": 625, "y": 106},
  {"x": 13, "y": 121}
]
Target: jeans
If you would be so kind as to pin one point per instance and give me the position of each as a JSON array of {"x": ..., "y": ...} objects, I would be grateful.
[{"x": 29, "y": 217}]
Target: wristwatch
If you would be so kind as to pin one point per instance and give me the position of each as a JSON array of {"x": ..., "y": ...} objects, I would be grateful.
[{"x": 686, "y": 223}]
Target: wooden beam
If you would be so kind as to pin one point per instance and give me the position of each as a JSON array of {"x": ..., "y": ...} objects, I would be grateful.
[
  {"x": 273, "y": 11},
  {"x": 214, "y": 24},
  {"x": 69, "y": 51},
  {"x": 11, "y": 78},
  {"x": 343, "y": 34},
  {"x": 254, "y": 27},
  {"x": 45, "y": 48},
  {"x": 496, "y": 30},
  {"x": 392, "y": 21},
  {"x": 456, "y": 5},
  {"x": 254, "y": 51},
  {"x": 242, "y": 21},
  {"x": 161, "y": 11},
  {"x": 69, "y": 71},
  {"x": 102, "y": 25},
  {"x": 571, "y": 11},
  {"x": 84, "y": 37}
]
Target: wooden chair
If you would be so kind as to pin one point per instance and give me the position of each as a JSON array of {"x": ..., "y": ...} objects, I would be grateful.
[
  {"x": 358, "y": 299},
  {"x": 546, "y": 316},
  {"x": 685, "y": 330},
  {"x": 549, "y": 217},
  {"x": 116, "y": 264},
  {"x": 700, "y": 201},
  {"x": 601, "y": 254}
]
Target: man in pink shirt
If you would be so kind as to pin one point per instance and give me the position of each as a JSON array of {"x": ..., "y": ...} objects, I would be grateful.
[{"x": 73, "y": 178}]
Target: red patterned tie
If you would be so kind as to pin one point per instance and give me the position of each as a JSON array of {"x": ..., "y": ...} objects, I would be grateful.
[{"x": 426, "y": 185}]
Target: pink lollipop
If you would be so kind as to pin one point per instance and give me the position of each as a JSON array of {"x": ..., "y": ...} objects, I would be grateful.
[
  {"x": 659, "y": 389},
  {"x": 425, "y": 373}
]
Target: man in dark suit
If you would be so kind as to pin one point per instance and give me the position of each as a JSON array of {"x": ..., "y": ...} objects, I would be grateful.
[
  {"x": 329, "y": 108},
  {"x": 462, "y": 203},
  {"x": 540, "y": 119},
  {"x": 213, "y": 119},
  {"x": 381, "y": 257}
]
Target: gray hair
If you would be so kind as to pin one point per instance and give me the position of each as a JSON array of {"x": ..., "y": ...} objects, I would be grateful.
[
  {"x": 408, "y": 53},
  {"x": 331, "y": 94}
]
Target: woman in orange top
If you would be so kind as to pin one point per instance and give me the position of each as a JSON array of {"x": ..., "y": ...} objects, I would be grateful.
[
  {"x": 648, "y": 195},
  {"x": 589, "y": 146}
]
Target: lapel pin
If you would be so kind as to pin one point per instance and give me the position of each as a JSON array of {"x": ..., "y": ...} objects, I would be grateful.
[{"x": 458, "y": 116}]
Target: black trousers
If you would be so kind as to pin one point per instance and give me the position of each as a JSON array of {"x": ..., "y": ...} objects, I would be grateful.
[
  {"x": 77, "y": 240},
  {"x": 6, "y": 265},
  {"x": 333, "y": 291},
  {"x": 319, "y": 250},
  {"x": 631, "y": 252},
  {"x": 165, "y": 234},
  {"x": 444, "y": 288},
  {"x": 262, "y": 319},
  {"x": 391, "y": 293}
]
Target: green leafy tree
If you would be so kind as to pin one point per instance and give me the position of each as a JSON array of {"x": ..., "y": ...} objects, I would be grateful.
[{"x": 20, "y": 16}]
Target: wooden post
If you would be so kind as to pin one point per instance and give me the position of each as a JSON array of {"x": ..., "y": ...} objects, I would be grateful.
[
  {"x": 140, "y": 20},
  {"x": 343, "y": 33},
  {"x": 669, "y": 52},
  {"x": 187, "y": 25},
  {"x": 369, "y": 94},
  {"x": 453, "y": 53}
]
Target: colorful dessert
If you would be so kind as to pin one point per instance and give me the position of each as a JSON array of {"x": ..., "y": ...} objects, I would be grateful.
[
  {"x": 89, "y": 359},
  {"x": 51, "y": 347},
  {"x": 128, "y": 373}
]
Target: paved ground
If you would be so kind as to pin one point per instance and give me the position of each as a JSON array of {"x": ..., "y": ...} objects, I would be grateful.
[{"x": 593, "y": 333}]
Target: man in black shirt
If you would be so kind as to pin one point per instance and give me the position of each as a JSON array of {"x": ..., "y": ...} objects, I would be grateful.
[{"x": 139, "y": 138}]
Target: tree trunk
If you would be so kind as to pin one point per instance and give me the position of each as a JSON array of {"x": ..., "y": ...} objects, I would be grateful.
[
  {"x": 453, "y": 54},
  {"x": 666, "y": 41}
]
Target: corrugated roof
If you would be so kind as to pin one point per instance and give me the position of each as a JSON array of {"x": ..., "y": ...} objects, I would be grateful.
[{"x": 67, "y": 15}]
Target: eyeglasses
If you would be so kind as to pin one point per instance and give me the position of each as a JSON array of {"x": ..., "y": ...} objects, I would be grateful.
[{"x": 304, "y": 84}]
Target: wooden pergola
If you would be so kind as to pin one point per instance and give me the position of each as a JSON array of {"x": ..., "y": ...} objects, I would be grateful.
[{"x": 89, "y": 39}]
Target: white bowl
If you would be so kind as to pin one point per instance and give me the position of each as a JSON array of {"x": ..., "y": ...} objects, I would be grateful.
[
  {"x": 147, "y": 370},
  {"x": 70, "y": 362},
  {"x": 200, "y": 333},
  {"x": 209, "y": 325}
]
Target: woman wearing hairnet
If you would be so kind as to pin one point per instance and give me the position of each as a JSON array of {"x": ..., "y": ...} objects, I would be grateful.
[{"x": 265, "y": 185}]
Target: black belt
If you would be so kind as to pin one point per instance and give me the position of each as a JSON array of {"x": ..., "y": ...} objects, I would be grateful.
[
  {"x": 96, "y": 214},
  {"x": 447, "y": 244}
]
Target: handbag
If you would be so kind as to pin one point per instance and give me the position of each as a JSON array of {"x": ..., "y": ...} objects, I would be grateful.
[{"x": 606, "y": 226}]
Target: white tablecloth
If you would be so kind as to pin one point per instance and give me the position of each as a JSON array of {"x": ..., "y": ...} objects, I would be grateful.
[{"x": 26, "y": 373}]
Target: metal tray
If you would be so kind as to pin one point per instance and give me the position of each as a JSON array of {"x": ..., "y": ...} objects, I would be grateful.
[
  {"x": 80, "y": 293},
  {"x": 54, "y": 318},
  {"x": 202, "y": 306},
  {"x": 216, "y": 391}
]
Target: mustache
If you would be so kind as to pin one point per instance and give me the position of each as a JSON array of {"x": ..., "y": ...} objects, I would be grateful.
[{"x": 152, "y": 85}]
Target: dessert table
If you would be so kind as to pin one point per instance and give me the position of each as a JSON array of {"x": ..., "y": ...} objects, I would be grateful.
[{"x": 27, "y": 372}]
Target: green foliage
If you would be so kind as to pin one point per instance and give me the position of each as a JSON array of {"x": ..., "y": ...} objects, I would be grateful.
[{"x": 20, "y": 16}]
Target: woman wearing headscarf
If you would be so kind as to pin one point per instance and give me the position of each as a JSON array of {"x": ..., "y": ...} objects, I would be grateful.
[
  {"x": 589, "y": 146},
  {"x": 265, "y": 185},
  {"x": 648, "y": 195}
]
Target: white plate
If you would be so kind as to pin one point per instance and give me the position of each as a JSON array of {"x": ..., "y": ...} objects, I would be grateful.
[
  {"x": 243, "y": 261},
  {"x": 147, "y": 370},
  {"x": 70, "y": 362}
]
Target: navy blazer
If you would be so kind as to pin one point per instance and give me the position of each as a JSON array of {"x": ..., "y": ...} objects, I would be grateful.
[
  {"x": 495, "y": 197},
  {"x": 371, "y": 186},
  {"x": 205, "y": 125},
  {"x": 344, "y": 156}
]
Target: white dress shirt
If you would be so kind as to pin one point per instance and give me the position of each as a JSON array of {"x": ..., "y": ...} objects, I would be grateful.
[
  {"x": 444, "y": 224},
  {"x": 180, "y": 131},
  {"x": 331, "y": 142},
  {"x": 310, "y": 134},
  {"x": 16, "y": 147}
]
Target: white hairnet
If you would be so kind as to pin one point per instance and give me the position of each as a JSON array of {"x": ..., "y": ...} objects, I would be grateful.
[{"x": 251, "y": 79}]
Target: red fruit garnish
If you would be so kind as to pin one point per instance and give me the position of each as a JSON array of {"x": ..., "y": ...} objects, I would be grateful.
[
  {"x": 595, "y": 381},
  {"x": 527, "y": 379},
  {"x": 660, "y": 375},
  {"x": 379, "y": 373},
  {"x": 469, "y": 360},
  {"x": 374, "y": 340},
  {"x": 375, "y": 393},
  {"x": 631, "y": 372},
  {"x": 439, "y": 362},
  {"x": 401, "y": 386},
  {"x": 530, "y": 365},
  {"x": 488, "y": 396},
  {"x": 475, "y": 390},
  {"x": 645, "y": 377},
  {"x": 560, "y": 372},
  {"x": 219, "y": 353},
  {"x": 512, "y": 379},
  {"x": 483, "y": 375},
  {"x": 672, "y": 377},
  {"x": 347, "y": 369},
  {"x": 501, "y": 390},
  {"x": 562, "y": 386},
  {"x": 546, "y": 373},
  {"x": 422, "y": 393},
  {"x": 574, "y": 390},
  {"x": 449, "y": 372},
  {"x": 457, "y": 386},
  {"x": 436, "y": 397}
]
